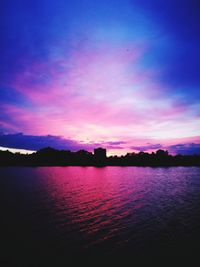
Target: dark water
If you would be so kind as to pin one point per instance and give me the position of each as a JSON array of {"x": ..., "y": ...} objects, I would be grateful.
[{"x": 112, "y": 216}]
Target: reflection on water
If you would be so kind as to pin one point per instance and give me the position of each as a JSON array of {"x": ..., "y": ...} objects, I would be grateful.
[{"x": 125, "y": 213}]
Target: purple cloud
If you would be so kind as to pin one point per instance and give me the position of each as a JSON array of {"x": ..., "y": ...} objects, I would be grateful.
[
  {"x": 185, "y": 149},
  {"x": 147, "y": 147},
  {"x": 32, "y": 142}
]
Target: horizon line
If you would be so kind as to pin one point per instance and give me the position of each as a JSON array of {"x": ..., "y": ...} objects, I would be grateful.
[{"x": 28, "y": 151}]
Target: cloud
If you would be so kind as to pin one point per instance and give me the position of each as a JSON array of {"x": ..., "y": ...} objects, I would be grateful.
[
  {"x": 32, "y": 142},
  {"x": 113, "y": 143},
  {"x": 36, "y": 142},
  {"x": 147, "y": 147},
  {"x": 185, "y": 149},
  {"x": 99, "y": 72}
]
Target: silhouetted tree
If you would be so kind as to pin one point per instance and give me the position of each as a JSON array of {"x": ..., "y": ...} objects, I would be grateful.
[{"x": 51, "y": 157}]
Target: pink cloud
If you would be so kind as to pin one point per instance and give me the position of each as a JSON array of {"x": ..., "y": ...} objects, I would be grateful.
[{"x": 99, "y": 94}]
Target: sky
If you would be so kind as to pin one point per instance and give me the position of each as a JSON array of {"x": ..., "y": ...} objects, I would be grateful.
[{"x": 122, "y": 74}]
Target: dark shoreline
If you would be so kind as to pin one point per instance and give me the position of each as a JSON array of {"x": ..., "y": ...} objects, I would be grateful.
[
  {"x": 52, "y": 157},
  {"x": 100, "y": 166}
]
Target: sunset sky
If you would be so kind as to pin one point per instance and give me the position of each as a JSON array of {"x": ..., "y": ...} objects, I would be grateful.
[{"x": 122, "y": 74}]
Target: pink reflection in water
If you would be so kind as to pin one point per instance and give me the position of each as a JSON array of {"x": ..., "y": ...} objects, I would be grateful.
[
  {"x": 113, "y": 207},
  {"x": 97, "y": 202}
]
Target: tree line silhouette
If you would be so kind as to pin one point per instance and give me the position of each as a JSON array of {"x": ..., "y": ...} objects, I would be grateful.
[{"x": 53, "y": 157}]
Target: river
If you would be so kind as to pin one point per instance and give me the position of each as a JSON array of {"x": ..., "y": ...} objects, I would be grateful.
[{"x": 110, "y": 216}]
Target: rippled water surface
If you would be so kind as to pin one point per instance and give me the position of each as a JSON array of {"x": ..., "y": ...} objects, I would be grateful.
[{"x": 120, "y": 215}]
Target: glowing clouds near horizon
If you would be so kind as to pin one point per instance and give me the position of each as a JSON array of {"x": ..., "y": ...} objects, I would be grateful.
[{"x": 99, "y": 96}]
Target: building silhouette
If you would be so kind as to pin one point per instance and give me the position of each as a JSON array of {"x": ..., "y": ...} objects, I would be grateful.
[{"x": 100, "y": 154}]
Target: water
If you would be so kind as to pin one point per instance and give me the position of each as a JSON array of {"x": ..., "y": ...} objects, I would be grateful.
[{"x": 111, "y": 216}]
